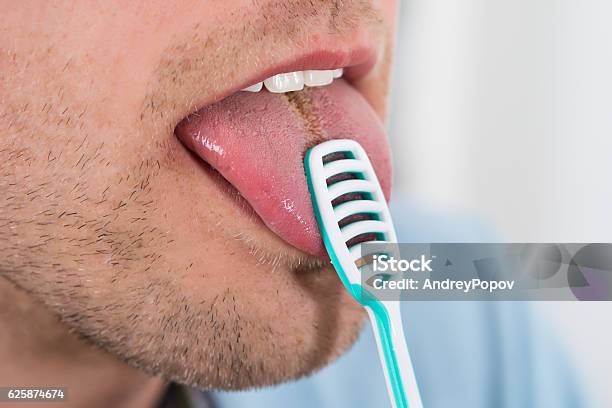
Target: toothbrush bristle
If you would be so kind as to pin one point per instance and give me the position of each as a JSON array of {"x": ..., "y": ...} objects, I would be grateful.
[
  {"x": 352, "y": 203},
  {"x": 345, "y": 198},
  {"x": 355, "y": 218},
  {"x": 336, "y": 178},
  {"x": 360, "y": 239},
  {"x": 330, "y": 157}
]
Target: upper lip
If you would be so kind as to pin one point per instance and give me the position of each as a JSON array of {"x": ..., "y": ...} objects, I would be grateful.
[
  {"x": 356, "y": 63},
  {"x": 357, "y": 55}
]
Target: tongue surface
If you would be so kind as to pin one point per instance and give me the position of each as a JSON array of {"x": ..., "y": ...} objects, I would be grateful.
[{"x": 257, "y": 141}]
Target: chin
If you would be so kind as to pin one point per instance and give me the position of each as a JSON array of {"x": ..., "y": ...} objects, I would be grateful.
[{"x": 254, "y": 334}]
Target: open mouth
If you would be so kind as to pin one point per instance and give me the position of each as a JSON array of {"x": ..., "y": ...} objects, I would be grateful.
[{"x": 256, "y": 138}]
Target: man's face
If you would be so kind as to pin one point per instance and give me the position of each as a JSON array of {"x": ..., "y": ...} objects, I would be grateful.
[{"x": 159, "y": 211}]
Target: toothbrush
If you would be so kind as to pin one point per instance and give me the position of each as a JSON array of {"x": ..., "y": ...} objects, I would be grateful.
[{"x": 360, "y": 193}]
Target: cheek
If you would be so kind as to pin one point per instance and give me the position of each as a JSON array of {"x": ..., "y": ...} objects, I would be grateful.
[{"x": 390, "y": 8}]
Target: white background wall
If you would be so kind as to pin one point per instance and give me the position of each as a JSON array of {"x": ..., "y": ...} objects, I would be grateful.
[{"x": 503, "y": 110}]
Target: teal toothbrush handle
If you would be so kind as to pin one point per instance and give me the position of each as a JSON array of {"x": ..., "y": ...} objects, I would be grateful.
[{"x": 393, "y": 352}]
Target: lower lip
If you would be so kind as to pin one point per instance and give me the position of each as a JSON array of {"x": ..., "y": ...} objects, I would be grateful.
[{"x": 257, "y": 141}]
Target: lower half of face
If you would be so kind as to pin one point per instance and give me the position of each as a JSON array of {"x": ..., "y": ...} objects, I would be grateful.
[{"x": 187, "y": 250}]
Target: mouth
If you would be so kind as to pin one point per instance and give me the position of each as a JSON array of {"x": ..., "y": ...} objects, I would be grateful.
[{"x": 254, "y": 138}]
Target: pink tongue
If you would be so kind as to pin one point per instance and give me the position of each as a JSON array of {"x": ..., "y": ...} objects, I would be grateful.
[{"x": 257, "y": 142}]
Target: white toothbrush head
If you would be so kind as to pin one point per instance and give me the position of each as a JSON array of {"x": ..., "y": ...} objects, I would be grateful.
[{"x": 349, "y": 205}]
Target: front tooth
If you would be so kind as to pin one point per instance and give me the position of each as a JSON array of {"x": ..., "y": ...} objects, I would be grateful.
[
  {"x": 254, "y": 88},
  {"x": 338, "y": 73},
  {"x": 280, "y": 83},
  {"x": 318, "y": 78}
]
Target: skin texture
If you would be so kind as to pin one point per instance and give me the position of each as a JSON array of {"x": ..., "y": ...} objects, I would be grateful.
[{"x": 107, "y": 226}]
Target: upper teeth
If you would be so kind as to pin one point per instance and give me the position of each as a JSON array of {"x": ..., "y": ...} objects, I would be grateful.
[{"x": 295, "y": 81}]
